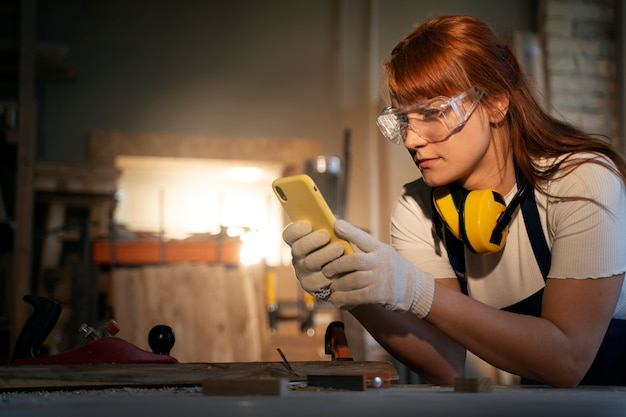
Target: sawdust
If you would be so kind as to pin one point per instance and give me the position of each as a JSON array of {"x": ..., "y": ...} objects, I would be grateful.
[{"x": 106, "y": 392}]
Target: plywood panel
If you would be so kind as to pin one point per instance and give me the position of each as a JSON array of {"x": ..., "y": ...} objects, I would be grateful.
[{"x": 217, "y": 312}]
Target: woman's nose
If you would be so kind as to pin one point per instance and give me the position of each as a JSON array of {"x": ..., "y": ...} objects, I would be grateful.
[{"x": 413, "y": 140}]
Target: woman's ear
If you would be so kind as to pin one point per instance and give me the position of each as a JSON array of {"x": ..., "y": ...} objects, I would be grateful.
[{"x": 500, "y": 107}]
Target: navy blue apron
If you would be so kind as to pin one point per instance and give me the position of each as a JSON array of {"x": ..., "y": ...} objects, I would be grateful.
[{"x": 609, "y": 366}]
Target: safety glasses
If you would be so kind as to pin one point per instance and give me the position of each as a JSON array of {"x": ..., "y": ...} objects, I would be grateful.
[{"x": 434, "y": 120}]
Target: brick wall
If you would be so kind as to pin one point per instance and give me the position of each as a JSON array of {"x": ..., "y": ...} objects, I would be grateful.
[{"x": 581, "y": 63}]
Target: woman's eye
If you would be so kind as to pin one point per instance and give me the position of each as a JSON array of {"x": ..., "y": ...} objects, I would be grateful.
[{"x": 432, "y": 113}]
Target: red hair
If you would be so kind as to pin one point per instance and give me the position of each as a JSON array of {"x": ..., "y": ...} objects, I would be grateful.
[{"x": 449, "y": 54}]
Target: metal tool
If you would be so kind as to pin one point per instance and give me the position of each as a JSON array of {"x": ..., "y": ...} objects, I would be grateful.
[{"x": 110, "y": 328}]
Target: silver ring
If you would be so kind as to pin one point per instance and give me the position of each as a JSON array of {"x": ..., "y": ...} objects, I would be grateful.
[{"x": 323, "y": 293}]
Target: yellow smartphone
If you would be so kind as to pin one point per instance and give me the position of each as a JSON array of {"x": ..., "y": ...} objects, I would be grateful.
[{"x": 302, "y": 200}]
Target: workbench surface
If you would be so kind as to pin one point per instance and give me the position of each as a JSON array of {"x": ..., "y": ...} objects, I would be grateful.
[{"x": 401, "y": 400}]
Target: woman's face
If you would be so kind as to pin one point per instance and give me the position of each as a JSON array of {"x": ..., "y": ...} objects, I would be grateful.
[{"x": 467, "y": 156}]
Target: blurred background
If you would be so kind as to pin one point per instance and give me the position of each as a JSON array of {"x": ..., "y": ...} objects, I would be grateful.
[{"x": 139, "y": 139}]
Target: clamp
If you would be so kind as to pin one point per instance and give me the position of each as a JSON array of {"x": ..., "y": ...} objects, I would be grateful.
[{"x": 336, "y": 343}]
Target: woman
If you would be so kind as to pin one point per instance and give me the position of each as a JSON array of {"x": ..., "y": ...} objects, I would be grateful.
[{"x": 543, "y": 288}]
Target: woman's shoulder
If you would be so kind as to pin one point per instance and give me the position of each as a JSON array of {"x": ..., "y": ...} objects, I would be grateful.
[
  {"x": 571, "y": 161},
  {"x": 584, "y": 174}
]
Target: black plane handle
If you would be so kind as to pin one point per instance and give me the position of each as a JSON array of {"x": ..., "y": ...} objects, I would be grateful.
[{"x": 37, "y": 327}]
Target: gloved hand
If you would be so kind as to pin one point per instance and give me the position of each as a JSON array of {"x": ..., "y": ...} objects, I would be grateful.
[
  {"x": 310, "y": 251},
  {"x": 377, "y": 275}
]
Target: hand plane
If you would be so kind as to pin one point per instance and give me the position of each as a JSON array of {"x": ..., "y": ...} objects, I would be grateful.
[{"x": 103, "y": 348}]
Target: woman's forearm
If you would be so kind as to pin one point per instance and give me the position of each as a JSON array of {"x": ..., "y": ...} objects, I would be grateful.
[{"x": 414, "y": 342}]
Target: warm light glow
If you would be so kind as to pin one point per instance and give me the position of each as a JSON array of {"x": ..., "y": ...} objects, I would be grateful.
[
  {"x": 253, "y": 249},
  {"x": 235, "y": 231},
  {"x": 245, "y": 174},
  {"x": 178, "y": 197}
]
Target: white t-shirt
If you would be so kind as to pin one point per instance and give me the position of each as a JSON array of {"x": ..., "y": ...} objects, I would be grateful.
[{"x": 585, "y": 239}]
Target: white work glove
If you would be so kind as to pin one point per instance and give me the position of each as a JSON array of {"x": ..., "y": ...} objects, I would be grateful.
[
  {"x": 310, "y": 251},
  {"x": 377, "y": 275}
]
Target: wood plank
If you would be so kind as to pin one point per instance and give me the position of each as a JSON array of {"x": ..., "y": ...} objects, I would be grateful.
[
  {"x": 106, "y": 146},
  {"x": 473, "y": 385},
  {"x": 52, "y": 244},
  {"x": 154, "y": 252},
  {"x": 44, "y": 377},
  {"x": 272, "y": 386}
]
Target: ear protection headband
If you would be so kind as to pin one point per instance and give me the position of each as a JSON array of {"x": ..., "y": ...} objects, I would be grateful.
[{"x": 479, "y": 218}]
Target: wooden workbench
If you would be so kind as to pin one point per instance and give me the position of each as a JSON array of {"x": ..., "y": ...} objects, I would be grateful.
[{"x": 98, "y": 376}]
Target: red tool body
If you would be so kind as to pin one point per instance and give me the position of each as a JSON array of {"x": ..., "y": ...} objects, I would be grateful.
[{"x": 109, "y": 349}]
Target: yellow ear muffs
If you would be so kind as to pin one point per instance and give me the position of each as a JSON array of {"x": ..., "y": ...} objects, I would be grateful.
[
  {"x": 448, "y": 208},
  {"x": 478, "y": 219},
  {"x": 472, "y": 216}
]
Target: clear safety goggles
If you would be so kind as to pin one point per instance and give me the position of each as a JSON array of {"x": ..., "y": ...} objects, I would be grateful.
[{"x": 434, "y": 120}]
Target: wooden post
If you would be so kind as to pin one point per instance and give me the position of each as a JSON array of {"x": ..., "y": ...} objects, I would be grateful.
[{"x": 26, "y": 137}]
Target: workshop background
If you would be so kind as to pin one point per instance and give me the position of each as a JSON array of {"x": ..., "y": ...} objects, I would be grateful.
[{"x": 139, "y": 139}]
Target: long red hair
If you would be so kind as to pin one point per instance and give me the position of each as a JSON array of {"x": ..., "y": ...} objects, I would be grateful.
[{"x": 449, "y": 54}]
